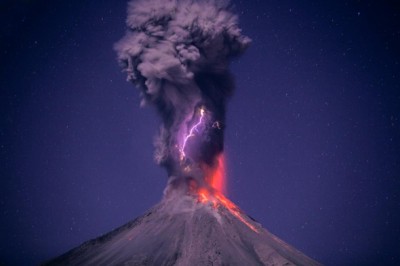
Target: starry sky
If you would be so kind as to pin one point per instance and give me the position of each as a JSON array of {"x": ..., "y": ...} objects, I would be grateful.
[{"x": 312, "y": 138}]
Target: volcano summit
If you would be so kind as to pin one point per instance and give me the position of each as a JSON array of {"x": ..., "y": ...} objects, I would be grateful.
[{"x": 177, "y": 53}]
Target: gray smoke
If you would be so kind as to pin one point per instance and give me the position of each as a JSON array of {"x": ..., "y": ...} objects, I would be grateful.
[{"x": 177, "y": 53}]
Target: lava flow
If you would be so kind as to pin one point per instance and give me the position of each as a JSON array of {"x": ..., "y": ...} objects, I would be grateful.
[
  {"x": 215, "y": 196},
  {"x": 216, "y": 199}
]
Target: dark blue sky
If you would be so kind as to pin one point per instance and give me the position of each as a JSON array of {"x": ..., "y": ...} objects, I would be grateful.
[{"x": 312, "y": 139}]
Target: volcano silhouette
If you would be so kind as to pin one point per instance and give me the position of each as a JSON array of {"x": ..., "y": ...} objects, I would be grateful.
[{"x": 187, "y": 230}]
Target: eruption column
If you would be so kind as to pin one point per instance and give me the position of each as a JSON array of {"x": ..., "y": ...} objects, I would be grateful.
[{"x": 177, "y": 53}]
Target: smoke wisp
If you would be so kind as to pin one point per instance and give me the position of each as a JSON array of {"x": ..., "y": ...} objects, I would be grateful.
[{"x": 177, "y": 53}]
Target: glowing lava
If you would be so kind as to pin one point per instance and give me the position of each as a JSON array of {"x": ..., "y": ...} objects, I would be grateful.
[
  {"x": 216, "y": 199},
  {"x": 233, "y": 209},
  {"x": 215, "y": 177}
]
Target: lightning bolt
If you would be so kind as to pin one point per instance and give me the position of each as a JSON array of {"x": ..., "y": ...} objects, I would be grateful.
[{"x": 191, "y": 133}]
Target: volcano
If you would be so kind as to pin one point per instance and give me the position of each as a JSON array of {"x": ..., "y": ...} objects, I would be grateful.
[
  {"x": 193, "y": 228},
  {"x": 177, "y": 53}
]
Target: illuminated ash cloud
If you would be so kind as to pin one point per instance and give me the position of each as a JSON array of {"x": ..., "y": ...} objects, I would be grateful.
[{"x": 177, "y": 52}]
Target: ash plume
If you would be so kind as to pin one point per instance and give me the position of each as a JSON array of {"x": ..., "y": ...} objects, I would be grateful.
[{"x": 177, "y": 53}]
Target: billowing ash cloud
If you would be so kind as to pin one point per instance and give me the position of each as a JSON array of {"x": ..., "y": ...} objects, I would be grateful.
[{"x": 177, "y": 53}]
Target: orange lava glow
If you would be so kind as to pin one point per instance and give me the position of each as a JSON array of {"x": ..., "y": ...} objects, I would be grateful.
[
  {"x": 216, "y": 176},
  {"x": 206, "y": 197},
  {"x": 233, "y": 209},
  {"x": 216, "y": 199},
  {"x": 214, "y": 196}
]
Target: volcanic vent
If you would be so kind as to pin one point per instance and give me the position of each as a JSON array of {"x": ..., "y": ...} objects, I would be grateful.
[{"x": 177, "y": 53}]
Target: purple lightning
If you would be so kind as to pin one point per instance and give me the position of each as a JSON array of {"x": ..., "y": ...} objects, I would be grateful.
[{"x": 191, "y": 133}]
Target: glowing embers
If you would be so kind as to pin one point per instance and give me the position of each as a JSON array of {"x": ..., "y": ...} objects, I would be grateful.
[
  {"x": 216, "y": 199},
  {"x": 191, "y": 133}
]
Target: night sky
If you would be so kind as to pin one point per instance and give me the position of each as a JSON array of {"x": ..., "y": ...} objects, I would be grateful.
[{"x": 312, "y": 137}]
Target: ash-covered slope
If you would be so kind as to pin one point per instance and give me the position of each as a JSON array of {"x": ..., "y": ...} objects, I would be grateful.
[{"x": 187, "y": 231}]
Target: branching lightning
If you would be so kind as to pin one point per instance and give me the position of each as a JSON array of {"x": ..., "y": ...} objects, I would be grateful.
[
  {"x": 191, "y": 133},
  {"x": 214, "y": 197}
]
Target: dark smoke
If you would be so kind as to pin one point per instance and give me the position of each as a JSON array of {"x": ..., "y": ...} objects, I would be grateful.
[{"x": 177, "y": 52}]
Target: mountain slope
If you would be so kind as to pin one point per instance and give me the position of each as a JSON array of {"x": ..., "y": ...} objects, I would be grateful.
[{"x": 186, "y": 231}]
